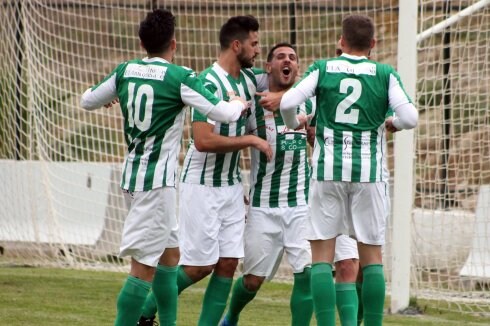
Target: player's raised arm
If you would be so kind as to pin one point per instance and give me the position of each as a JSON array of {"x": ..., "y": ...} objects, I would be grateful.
[
  {"x": 406, "y": 115},
  {"x": 297, "y": 95},
  {"x": 101, "y": 94},
  {"x": 195, "y": 95}
]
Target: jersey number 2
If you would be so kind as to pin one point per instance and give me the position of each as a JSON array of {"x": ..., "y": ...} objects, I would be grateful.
[
  {"x": 356, "y": 89},
  {"x": 134, "y": 112}
]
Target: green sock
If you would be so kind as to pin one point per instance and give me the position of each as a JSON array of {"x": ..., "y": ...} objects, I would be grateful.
[
  {"x": 301, "y": 302},
  {"x": 373, "y": 294},
  {"x": 359, "y": 300},
  {"x": 183, "y": 280},
  {"x": 130, "y": 301},
  {"x": 214, "y": 302},
  {"x": 347, "y": 304},
  {"x": 240, "y": 296},
  {"x": 150, "y": 306},
  {"x": 323, "y": 293},
  {"x": 165, "y": 292}
]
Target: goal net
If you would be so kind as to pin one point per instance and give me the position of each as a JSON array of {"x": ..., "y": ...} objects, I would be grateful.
[{"x": 60, "y": 165}]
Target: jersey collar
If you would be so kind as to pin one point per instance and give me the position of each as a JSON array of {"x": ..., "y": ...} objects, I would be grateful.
[
  {"x": 155, "y": 59},
  {"x": 353, "y": 57}
]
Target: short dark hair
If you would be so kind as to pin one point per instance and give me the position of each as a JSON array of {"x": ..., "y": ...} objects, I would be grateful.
[
  {"x": 358, "y": 31},
  {"x": 157, "y": 30},
  {"x": 279, "y": 45},
  {"x": 237, "y": 28}
]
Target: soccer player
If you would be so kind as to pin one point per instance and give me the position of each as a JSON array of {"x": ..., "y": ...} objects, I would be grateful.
[
  {"x": 278, "y": 209},
  {"x": 153, "y": 93},
  {"x": 348, "y": 194},
  {"x": 211, "y": 233}
]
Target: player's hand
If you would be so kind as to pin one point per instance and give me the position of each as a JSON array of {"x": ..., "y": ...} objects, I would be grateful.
[
  {"x": 110, "y": 104},
  {"x": 246, "y": 104},
  {"x": 303, "y": 122},
  {"x": 270, "y": 100},
  {"x": 264, "y": 147},
  {"x": 389, "y": 125},
  {"x": 246, "y": 200}
]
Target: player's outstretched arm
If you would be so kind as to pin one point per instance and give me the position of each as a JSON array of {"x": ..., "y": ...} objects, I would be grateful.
[
  {"x": 406, "y": 115},
  {"x": 206, "y": 140},
  {"x": 100, "y": 95}
]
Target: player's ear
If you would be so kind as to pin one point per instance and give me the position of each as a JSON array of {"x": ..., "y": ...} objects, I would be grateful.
[
  {"x": 173, "y": 44},
  {"x": 373, "y": 43},
  {"x": 268, "y": 68},
  {"x": 236, "y": 46}
]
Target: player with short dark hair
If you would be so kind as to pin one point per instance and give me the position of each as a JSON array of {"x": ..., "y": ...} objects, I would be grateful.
[
  {"x": 153, "y": 93},
  {"x": 348, "y": 190},
  {"x": 277, "y": 214}
]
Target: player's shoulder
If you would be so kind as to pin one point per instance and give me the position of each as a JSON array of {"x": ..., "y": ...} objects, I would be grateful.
[{"x": 383, "y": 67}]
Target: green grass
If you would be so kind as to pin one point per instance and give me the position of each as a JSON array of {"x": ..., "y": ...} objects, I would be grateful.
[{"x": 42, "y": 296}]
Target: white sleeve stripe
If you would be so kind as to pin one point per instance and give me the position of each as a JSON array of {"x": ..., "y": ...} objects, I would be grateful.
[{"x": 193, "y": 99}]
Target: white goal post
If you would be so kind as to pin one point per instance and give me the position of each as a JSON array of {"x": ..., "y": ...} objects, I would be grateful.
[{"x": 60, "y": 165}]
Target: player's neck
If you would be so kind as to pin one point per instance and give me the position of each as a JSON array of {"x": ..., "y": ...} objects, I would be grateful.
[
  {"x": 168, "y": 55},
  {"x": 229, "y": 62},
  {"x": 357, "y": 53}
]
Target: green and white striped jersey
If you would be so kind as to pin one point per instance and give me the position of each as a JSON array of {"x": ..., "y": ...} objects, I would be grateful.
[
  {"x": 221, "y": 169},
  {"x": 284, "y": 181},
  {"x": 152, "y": 94},
  {"x": 353, "y": 96}
]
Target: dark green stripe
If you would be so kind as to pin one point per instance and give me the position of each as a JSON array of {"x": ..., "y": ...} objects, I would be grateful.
[
  {"x": 220, "y": 158},
  {"x": 243, "y": 81},
  {"x": 138, "y": 151},
  {"x": 152, "y": 162},
  {"x": 259, "y": 117},
  {"x": 276, "y": 175},
  {"x": 356, "y": 157},
  {"x": 337, "y": 155},
  {"x": 187, "y": 167},
  {"x": 203, "y": 172},
  {"x": 374, "y": 162},
  {"x": 223, "y": 88},
  {"x": 320, "y": 140},
  {"x": 293, "y": 180}
]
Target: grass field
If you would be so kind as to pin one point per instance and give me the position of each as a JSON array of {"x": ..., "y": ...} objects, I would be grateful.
[{"x": 51, "y": 297}]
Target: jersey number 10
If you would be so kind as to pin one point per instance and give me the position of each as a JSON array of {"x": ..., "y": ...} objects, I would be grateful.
[{"x": 134, "y": 112}]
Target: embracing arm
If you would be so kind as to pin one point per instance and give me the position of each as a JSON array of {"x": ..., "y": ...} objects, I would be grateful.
[
  {"x": 194, "y": 94},
  {"x": 206, "y": 140},
  {"x": 296, "y": 96},
  {"x": 406, "y": 115},
  {"x": 98, "y": 96}
]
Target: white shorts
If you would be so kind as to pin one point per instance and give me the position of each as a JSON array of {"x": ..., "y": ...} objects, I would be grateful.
[
  {"x": 352, "y": 208},
  {"x": 271, "y": 231},
  {"x": 212, "y": 220},
  {"x": 345, "y": 248},
  {"x": 151, "y": 225}
]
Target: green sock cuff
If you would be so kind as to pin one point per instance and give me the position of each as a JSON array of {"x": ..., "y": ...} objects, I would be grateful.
[
  {"x": 167, "y": 269},
  {"x": 345, "y": 286},
  {"x": 305, "y": 274},
  {"x": 183, "y": 275},
  {"x": 321, "y": 267},
  {"x": 241, "y": 284},
  {"x": 139, "y": 283},
  {"x": 221, "y": 279},
  {"x": 372, "y": 269}
]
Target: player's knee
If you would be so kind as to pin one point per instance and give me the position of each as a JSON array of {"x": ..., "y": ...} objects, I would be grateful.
[
  {"x": 170, "y": 257},
  {"x": 346, "y": 270},
  {"x": 226, "y": 267},
  {"x": 252, "y": 282}
]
